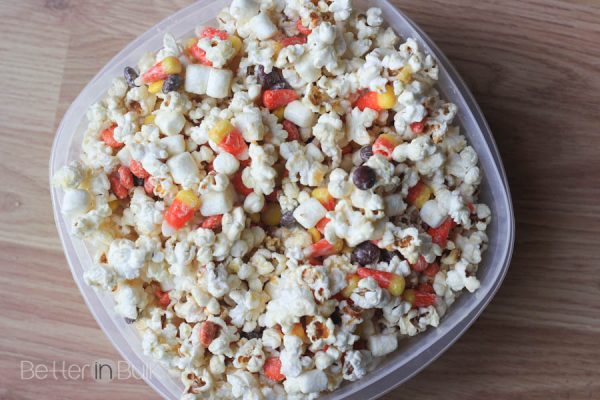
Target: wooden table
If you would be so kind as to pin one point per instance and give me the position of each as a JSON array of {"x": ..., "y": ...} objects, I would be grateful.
[{"x": 533, "y": 66}]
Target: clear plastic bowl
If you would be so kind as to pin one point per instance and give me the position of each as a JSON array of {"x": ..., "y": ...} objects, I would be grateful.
[{"x": 413, "y": 353}]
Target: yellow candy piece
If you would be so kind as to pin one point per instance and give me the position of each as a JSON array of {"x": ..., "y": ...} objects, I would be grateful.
[
  {"x": 171, "y": 65},
  {"x": 405, "y": 76},
  {"x": 388, "y": 99},
  {"x": 188, "y": 198},
  {"x": 236, "y": 43},
  {"x": 149, "y": 119},
  {"x": 271, "y": 215},
  {"x": 221, "y": 129},
  {"x": 278, "y": 112},
  {"x": 315, "y": 234},
  {"x": 155, "y": 87},
  {"x": 352, "y": 284},
  {"x": 423, "y": 196}
]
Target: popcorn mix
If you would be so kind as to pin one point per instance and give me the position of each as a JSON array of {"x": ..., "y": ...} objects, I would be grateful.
[{"x": 277, "y": 202}]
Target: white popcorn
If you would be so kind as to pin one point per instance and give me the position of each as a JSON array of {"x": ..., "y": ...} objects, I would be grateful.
[
  {"x": 380, "y": 345},
  {"x": 217, "y": 51},
  {"x": 216, "y": 203},
  {"x": 368, "y": 294},
  {"x": 432, "y": 214},
  {"x": 357, "y": 123},
  {"x": 184, "y": 169},
  {"x": 261, "y": 26},
  {"x": 225, "y": 163},
  {"x": 173, "y": 144},
  {"x": 125, "y": 258},
  {"x": 170, "y": 122},
  {"x": 75, "y": 202},
  {"x": 254, "y": 203}
]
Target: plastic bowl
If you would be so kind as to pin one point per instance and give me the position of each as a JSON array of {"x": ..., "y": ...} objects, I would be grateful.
[{"x": 413, "y": 353}]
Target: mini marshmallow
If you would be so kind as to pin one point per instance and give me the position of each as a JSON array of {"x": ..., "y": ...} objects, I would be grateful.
[
  {"x": 174, "y": 144},
  {"x": 169, "y": 122},
  {"x": 313, "y": 381},
  {"x": 309, "y": 213},
  {"x": 262, "y": 26},
  {"x": 76, "y": 201},
  {"x": 432, "y": 214},
  {"x": 216, "y": 203},
  {"x": 380, "y": 345},
  {"x": 196, "y": 78},
  {"x": 183, "y": 167},
  {"x": 219, "y": 83},
  {"x": 299, "y": 114},
  {"x": 226, "y": 163},
  {"x": 254, "y": 202}
]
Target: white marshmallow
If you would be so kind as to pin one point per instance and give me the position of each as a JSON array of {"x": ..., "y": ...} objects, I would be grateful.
[
  {"x": 196, "y": 78},
  {"x": 254, "y": 202},
  {"x": 262, "y": 26},
  {"x": 226, "y": 163},
  {"x": 169, "y": 122},
  {"x": 215, "y": 203},
  {"x": 174, "y": 144},
  {"x": 183, "y": 168},
  {"x": 219, "y": 83},
  {"x": 299, "y": 114},
  {"x": 432, "y": 214},
  {"x": 309, "y": 213},
  {"x": 76, "y": 201},
  {"x": 313, "y": 381}
]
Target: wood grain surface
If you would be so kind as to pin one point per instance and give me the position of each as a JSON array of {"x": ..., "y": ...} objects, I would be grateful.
[{"x": 534, "y": 67}]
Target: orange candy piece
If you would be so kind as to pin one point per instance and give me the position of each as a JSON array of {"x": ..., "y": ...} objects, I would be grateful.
[
  {"x": 273, "y": 99},
  {"x": 272, "y": 369}
]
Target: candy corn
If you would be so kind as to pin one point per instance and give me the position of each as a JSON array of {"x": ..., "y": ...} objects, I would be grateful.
[
  {"x": 321, "y": 224},
  {"x": 323, "y": 248},
  {"x": 352, "y": 284},
  {"x": 168, "y": 66},
  {"x": 440, "y": 234},
  {"x": 210, "y": 32},
  {"x": 322, "y": 194},
  {"x": 182, "y": 209},
  {"x": 273, "y": 99},
  {"x": 418, "y": 194},
  {"x": 385, "y": 145},
  {"x": 228, "y": 138},
  {"x": 314, "y": 234},
  {"x": 387, "y": 280},
  {"x": 419, "y": 298},
  {"x": 377, "y": 101}
]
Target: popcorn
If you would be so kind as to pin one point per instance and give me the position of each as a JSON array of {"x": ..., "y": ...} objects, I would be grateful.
[
  {"x": 230, "y": 225},
  {"x": 125, "y": 258}
]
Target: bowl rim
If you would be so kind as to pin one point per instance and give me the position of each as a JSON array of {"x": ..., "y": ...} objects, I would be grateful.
[{"x": 107, "y": 323}]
